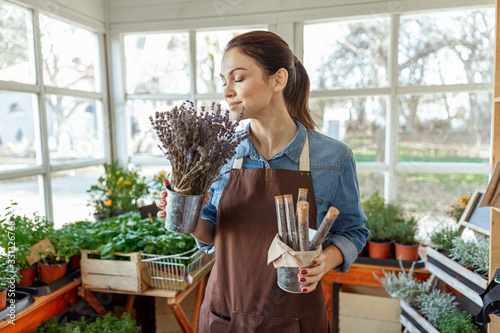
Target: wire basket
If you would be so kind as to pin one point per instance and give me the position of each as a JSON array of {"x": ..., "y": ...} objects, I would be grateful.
[{"x": 177, "y": 271}]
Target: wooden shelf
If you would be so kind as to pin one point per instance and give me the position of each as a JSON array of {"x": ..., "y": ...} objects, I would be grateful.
[
  {"x": 413, "y": 321},
  {"x": 44, "y": 307}
]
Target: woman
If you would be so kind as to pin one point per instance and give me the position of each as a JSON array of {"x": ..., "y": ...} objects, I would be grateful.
[{"x": 267, "y": 82}]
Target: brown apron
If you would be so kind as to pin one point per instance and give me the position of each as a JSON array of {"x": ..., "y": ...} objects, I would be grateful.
[{"x": 242, "y": 294}]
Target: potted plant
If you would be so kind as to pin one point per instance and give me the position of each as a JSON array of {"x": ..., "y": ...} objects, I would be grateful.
[
  {"x": 27, "y": 230},
  {"x": 108, "y": 323},
  {"x": 404, "y": 233},
  {"x": 55, "y": 258},
  {"x": 118, "y": 191},
  {"x": 471, "y": 254},
  {"x": 456, "y": 322},
  {"x": 379, "y": 217},
  {"x": 443, "y": 236},
  {"x": 9, "y": 274},
  {"x": 437, "y": 304},
  {"x": 403, "y": 285}
]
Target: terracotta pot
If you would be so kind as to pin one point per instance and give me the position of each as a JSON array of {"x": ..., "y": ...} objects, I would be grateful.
[
  {"x": 27, "y": 276},
  {"x": 51, "y": 273},
  {"x": 3, "y": 299},
  {"x": 379, "y": 250},
  {"x": 74, "y": 262},
  {"x": 406, "y": 252}
]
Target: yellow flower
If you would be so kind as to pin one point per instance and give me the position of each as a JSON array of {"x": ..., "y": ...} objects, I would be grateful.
[
  {"x": 463, "y": 204},
  {"x": 109, "y": 192},
  {"x": 118, "y": 172},
  {"x": 109, "y": 175},
  {"x": 109, "y": 202},
  {"x": 120, "y": 181},
  {"x": 127, "y": 183},
  {"x": 161, "y": 174}
]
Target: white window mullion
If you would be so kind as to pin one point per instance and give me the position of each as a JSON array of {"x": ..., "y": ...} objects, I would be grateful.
[
  {"x": 44, "y": 178},
  {"x": 192, "y": 65},
  {"x": 391, "y": 130}
]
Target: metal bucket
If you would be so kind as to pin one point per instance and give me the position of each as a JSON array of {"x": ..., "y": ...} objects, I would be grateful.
[
  {"x": 183, "y": 211},
  {"x": 288, "y": 279}
]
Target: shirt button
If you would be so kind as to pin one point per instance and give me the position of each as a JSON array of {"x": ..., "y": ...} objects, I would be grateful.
[{"x": 266, "y": 165}]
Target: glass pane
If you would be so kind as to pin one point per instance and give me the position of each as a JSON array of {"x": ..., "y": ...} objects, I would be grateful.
[
  {"x": 447, "y": 48},
  {"x": 75, "y": 128},
  {"x": 26, "y": 192},
  {"x": 157, "y": 63},
  {"x": 143, "y": 138},
  {"x": 445, "y": 127},
  {"x": 17, "y": 56},
  {"x": 209, "y": 50},
  {"x": 69, "y": 194},
  {"x": 369, "y": 183},
  {"x": 359, "y": 122},
  {"x": 70, "y": 56},
  {"x": 347, "y": 55},
  {"x": 19, "y": 130},
  {"x": 428, "y": 193}
]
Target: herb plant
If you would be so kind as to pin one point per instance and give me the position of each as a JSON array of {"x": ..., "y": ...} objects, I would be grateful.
[
  {"x": 196, "y": 144},
  {"x": 457, "y": 322},
  {"x": 471, "y": 253},
  {"x": 403, "y": 285},
  {"x": 118, "y": 191},
  {"x": 443, "y": 236},
  {"x": 437, "y": 304}
]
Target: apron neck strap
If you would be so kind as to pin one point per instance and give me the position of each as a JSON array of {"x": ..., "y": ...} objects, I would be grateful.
[{"x": 303, "y": 161}]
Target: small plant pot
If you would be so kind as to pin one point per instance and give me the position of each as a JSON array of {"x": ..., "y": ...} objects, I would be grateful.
[
  {"x": 51, "y": 273},
  {"x": 27, "y": 276},
  {"x": 74, "y": 262},
  {"x": 183, "y": 211},
  {"x": 379, "y": 250},
  {"x": 3, "y": 299},
  {"x": 406, "y": 252}
]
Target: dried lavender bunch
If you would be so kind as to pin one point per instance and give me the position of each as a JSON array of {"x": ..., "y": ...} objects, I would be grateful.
[{"x": 197, "y": 145}]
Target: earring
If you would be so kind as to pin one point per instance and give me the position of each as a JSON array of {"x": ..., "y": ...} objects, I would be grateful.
[{"x": 276, "y": 89}]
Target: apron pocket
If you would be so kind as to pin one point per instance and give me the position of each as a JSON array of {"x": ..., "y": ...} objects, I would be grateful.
[
  {"x": 216, "y": 324},
  {"x": 248, "y": 323}
]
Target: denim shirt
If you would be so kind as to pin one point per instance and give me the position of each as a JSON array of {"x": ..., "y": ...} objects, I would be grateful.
[{"x": 335, "y": 183}]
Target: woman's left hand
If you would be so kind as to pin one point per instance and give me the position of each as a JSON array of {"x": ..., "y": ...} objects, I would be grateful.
[{"x": 328, "y": 259}]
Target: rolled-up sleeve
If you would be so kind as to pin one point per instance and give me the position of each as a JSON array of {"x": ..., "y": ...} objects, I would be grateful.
[{"x": 348, "y": 233}]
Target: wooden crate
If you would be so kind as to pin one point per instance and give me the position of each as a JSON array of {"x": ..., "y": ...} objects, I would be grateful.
[
  {"x": 413, "y": 321},
  {"x": 455, "y": 275},
  {"x": 126, "y": 275},
  {"x": 368, "y": 309}
]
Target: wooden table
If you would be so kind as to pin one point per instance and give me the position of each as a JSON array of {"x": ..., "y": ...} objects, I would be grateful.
[
  {"x": 44, "y": 307},
  {"x": 174, "y": 298},
  {"x": 358, "y": 274}
]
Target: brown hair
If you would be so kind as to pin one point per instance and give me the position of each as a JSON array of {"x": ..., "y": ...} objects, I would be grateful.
[{"x": 271, "y": 53}]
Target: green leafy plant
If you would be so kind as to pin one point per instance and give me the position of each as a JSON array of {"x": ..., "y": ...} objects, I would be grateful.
[
  {"x": 378, "y": 218},
  {"x": 9, "y": 273},
  {"x": 403, "y": 285},
  {"x": 28, "y": 230},
  {"x": 437, "y": 304},
  {"x": 443, "y": 236},
  {"x": 118, "y": 191},
  {"x": 457, "y": 322},
  {"x": 129, "y": 233},
  {"x": 405, "y": 230},
  {"x": 107, "y": 324},
  {"x": 458, "y": 209},
  {"x": 471, "y": 253}
]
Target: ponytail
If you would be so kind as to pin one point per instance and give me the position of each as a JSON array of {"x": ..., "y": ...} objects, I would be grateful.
[
  {"x": 297, "y": 96},
  {"x": 271, "y": 52}
]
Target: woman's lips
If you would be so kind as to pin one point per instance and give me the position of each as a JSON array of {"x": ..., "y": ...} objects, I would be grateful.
[{"x": 234, "y": 105}]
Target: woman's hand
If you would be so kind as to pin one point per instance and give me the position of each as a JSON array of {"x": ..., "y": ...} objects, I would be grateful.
[
  {"x": 162, "y": 202},
  {"x": 329, "y": 258}
]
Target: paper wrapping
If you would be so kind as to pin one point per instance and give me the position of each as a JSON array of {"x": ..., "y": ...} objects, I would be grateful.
[{"x": 281, "y": 255}]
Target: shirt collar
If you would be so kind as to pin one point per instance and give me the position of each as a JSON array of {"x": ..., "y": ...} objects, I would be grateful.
[{"x": 292, "y": 150}]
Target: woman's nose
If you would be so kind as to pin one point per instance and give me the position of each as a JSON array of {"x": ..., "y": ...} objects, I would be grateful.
[{"x": 228, "y": 91}]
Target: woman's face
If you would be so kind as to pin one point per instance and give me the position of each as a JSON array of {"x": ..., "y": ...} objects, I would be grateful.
[{"x": 245, "y": 85}]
